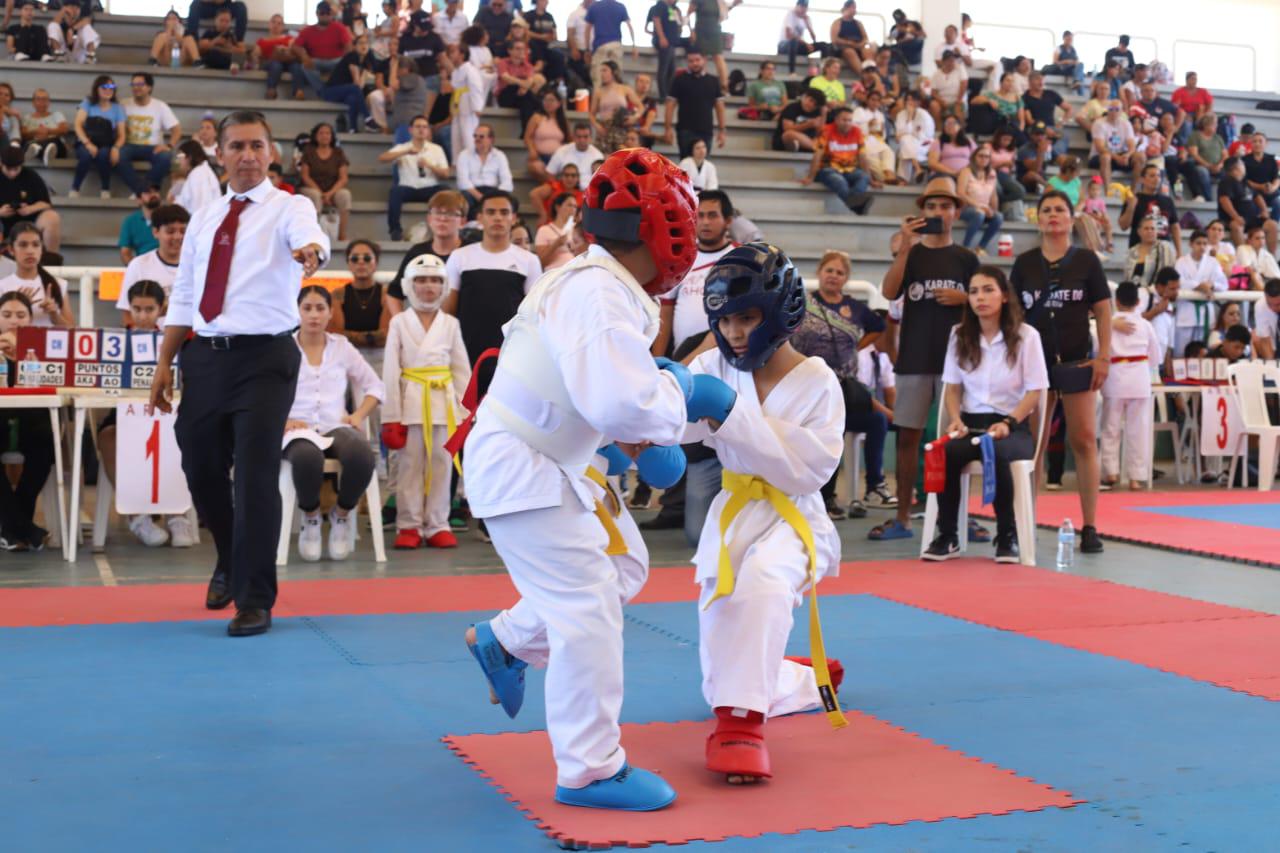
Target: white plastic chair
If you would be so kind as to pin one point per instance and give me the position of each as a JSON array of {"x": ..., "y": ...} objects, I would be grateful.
[
  {"x": 290, "y": 517},
  {"x": 1246, "y": 379},
  {"x": 1023, "y": 472},
  {"x": 1163, "y": 423}
]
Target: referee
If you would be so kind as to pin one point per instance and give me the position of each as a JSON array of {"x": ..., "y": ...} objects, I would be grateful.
[{"x": 237, "y": 285}]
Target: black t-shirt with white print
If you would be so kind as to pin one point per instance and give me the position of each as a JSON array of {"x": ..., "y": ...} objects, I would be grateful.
[
  {"x": 1063, "y": 321},
  {"x": 926, "y": 323}
]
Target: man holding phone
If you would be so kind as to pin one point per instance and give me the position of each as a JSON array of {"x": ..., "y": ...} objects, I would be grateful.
[{"x": 932, "y": 274}]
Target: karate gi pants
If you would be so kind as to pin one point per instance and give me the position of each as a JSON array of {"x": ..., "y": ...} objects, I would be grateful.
[
  {"x": 743, "y": 637},
  {"x": 1132, "y": 417},
  {"x": 427, "y": 513},
  {"x": 569, "y": 620}
]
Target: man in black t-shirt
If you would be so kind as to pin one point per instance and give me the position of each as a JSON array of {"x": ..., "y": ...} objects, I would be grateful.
[
  {"x": 422, "y": 44},
  {"x": 496, "y": 19},
  {"x": 1149, "y": 201},
  {"x": 219, "y": 47},
  {"x": 699, "y": 97},
  {"x": 27, "y": 39},
  {"x": 1122, "y": 56},
  {"x": 1041, "y": 105},
  {"x": 800, "y": 122},
  {"x": 24, "y": 197},
  {"x": 445, "y": 214},
  {"x": 1262, "y": 175},
  {"x": 931, "y": 273},
  {"x": 1238, "y": 207}
]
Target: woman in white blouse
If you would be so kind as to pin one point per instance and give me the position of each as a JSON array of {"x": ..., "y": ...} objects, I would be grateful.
[
  {"x": 701, "y": 171},
  {"x": 319, "y": 426},
  {"x": 200, "y": 185},
  {"x": 993, "y": 373},
  {"x": 47, "y": 294},
  {"x": 1252, "y": 254}
]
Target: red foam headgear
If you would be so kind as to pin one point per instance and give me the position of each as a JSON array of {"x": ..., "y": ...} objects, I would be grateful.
[{"x": 638, "y": 196}]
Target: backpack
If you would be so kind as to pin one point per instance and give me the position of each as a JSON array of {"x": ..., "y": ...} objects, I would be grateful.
[
  {"x": 100, "y": 131},
  {"x": 737, "y": 82}
]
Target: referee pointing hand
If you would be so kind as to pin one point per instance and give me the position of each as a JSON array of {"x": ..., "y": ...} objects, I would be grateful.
[{"x": 237, "y": 285}]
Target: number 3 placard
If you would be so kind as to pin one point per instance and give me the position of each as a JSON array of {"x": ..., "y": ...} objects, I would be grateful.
[
  {"x": 1220, "y": 424},
  {"x": 148, "y": 462}
]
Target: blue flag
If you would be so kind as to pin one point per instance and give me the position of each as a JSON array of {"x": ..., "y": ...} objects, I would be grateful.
[{"x": 988, "y": 445}]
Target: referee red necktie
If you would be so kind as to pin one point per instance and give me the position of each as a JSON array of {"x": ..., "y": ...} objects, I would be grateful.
[{"x": 224, "y": 246}]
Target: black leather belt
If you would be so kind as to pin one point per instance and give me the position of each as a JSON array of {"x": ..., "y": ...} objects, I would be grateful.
[{"x": 228, "y": 342}]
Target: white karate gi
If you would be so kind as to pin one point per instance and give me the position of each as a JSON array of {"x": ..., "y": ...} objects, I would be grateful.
[
  {"x": 408, "y": 346},
  {"x": 472, "y": 91},
  {"x": 1126, "y": 400},
  {"x": 1193, "y": 318},
  {"x": 793, "y": 441},
  {"x": 596, "y": 325}
]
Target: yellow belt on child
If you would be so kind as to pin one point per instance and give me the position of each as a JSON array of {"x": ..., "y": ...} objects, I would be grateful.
[
  {"x": 617, "y": 545},
  {"x": 743, "y": 489},
  {"x": 433, "y": 378}
]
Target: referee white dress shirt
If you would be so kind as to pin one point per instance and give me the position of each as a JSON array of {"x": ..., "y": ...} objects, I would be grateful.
[{"x": 263, "y": 284}]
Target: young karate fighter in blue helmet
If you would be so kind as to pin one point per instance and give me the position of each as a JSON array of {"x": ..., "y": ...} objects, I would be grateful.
[{"x": 767, "y": 538}]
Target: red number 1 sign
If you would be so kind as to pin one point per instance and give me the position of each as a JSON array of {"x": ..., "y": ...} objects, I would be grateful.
[{"x": 148, "y": 462}]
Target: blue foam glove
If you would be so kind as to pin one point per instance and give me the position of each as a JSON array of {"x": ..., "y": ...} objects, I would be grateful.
[
  {"x": 661, "y": 467},
  {"x": 711, "y": 398},
  {"x": 619, "y": 462},
  {"x": 680, "y": 372}
]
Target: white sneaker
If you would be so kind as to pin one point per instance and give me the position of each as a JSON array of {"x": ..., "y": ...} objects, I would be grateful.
[
  {"x": 180, "y": 533},
  {"x": 309, "y": 538},
  {"x": 33, "y": 151},
  {"x": 147, "y": 532},
  {"x": 340, "y": 536},
  {"x": 20, "y": 57},
  {"x": 49, "y": 152},
  {"x": 73, "y": 193},
  {"x": 105, "y": 194}
]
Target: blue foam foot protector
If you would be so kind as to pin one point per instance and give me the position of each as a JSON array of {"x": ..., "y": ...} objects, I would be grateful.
[
  {"x": 504, "y": 673},
  {"x": 631, "y": 789}
]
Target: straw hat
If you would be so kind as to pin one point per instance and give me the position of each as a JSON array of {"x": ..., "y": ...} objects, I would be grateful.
[{"x": 940, "y": 187}]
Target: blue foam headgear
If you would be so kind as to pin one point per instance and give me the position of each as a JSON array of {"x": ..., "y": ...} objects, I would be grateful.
[{"x": 755, "y": 275}]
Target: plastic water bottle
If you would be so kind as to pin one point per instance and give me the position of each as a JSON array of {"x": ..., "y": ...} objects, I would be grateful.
[
  {"x": 175, "y": 56},
  {"x": 29, "y": 370},
  {"x": 562, "y": 91},
  {"x": 1066, "y": 545}
]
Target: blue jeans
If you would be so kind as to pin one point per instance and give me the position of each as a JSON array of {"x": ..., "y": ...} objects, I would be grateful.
[
  {"x": 975, "y": 223},
  {"x": 844, "y": 184},
  {"x": 874, "y": 426},
  {"x": 1198, "y": 180},
  {"x": 702, "y": 484},
  {"x": 351, "y": 95},
  {"x": 160, "y": 164},
  {"x": 84, "y": 160},
  {"x": 399, "y": 195}
]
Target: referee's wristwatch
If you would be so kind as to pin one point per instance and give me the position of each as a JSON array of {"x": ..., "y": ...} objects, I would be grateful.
[{"x": 1011, "y": 422}]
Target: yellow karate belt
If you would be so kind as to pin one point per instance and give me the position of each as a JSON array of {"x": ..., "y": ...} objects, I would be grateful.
[
  {"x": 742, "y": 489},
  {"x": 617, "y": 545},
  {"x": 433, "y": 378}
]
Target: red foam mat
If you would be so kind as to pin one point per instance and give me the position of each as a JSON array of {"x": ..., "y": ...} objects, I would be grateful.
[
  {"x": 868, "y": 773},
  {"x": 1120, "y": 517}
]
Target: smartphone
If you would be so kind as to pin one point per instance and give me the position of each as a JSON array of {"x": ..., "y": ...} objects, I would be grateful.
[{"x": 932, "y": 225}]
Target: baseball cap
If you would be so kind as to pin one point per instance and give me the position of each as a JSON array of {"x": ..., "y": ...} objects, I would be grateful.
[
  {"x": 1038, "y": 127},
  {"x": 12, "y": 155},
  {"x": 420, "y": 18}
]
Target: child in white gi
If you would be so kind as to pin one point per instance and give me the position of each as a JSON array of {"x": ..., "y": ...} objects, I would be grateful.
[
  {"x": 767, "y": 537},
  {"x": 1126, "y": 393},
  {"x": 575, "y": 368},
  {"x": 425, "y": 369}
]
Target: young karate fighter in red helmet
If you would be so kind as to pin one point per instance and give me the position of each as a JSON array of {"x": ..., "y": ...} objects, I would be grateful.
[{"x": 575, "y": 374}]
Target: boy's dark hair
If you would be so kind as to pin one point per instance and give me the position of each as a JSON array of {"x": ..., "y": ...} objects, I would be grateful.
[
  {"x": 1239, "y": 334},
  {"x": 1126, "y": 294},
  {"x": 1194, "y": 349},
  {"x": 726, "y": 206},
  {"x": 1198, "y": 234},
  {"x": 167, "y": 214},
  {"x": 834, "y": 114},
  {"x": 1271, "y": 287},
  {"x": 819, "y": 97},
  {"x": 1231, "y": 163},
  {"x": 1165, "y": 275}
]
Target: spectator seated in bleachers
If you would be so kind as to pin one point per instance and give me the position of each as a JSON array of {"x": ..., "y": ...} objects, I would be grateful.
[
  {"x": 27, "y": 40},
  {"x": 849, "y": 37},
  {"x": 977, "y": 185},
  {"x": 10, "y": 116},
  {"x": 948, "y": 86},
  {"x": 1004, "y": 155},
  {"x": 951, "y": 151},
  {"x": 204, "y": 10},
  {"x": 483, "y": 169},
  {"x": 1115, "y": 147},
  {"x": 560, "y": 239},
  {"x": 1005, "y": 101},
  {"x": 800, "y": 122},
  {"x": 18, "y": 530},
  {"x": 907, "y": 37},
  {"x": 199, "y": 183},
  {"x": 420, "y": 168},
  {"x": 1149, "y": 255},
  {"x": 1254, "y": 256},
  {"x": 1206, "y": 154},
  {"x": 317, "y": 51},
  {"x": 546, "y": 132},
  {"x": 877, "y": 157},
  {"x": 44, "y": 132},
  {"x": 424, "y": 48},
  {"x": 1230, "y": 314},
  {"x": 168, "y": 226},
  {"x": 1094, "y": 209},
  {"x": 324, "y": 175},
  {"x": 1194, "y": 102},
  {"x": 914, "y": 131},
  {"x": 569, "y": 180},
  {"x": 614, "y": 107},
  {"x": 173, "y": 42},
  {"x": 72, "y": 37},
  {"x": 25, "y": 198},
  {"x": 1238, "y": 206},
  {"x": 152, "y": 132},
  {"x": 829, "y": 84},
  {"x": 331, "y": 369},
  {"x": 48, "y": 295},
  {"x": 701, "y": 171},
  {"x": 100, "y": 129},
  {"x": 837, "y": 164},
  {"x": 792, "y": 42},
  {"x": 766, "y": 95},
  {"x": 136, "y": 237},
  {"x": 1234, "y": 344},
  {"x": 219, "y": 47},
  {"x": 1266, "y": 321},
  {"x": 1067, "y": 63}
]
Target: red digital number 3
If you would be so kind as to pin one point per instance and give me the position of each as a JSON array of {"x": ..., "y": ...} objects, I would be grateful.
[
  {"x": 1222, "y": 423},
  {"x": 153, "y": 453}
]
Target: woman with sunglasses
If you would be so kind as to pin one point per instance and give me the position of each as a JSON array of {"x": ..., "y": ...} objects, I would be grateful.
[
  {"x": 358, "y": 312},
  {"x": 100, "y": 124}
]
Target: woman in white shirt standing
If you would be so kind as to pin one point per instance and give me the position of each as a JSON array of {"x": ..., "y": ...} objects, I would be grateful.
[
  {"x": 994, "y": 374},
  {"x": 48, "y": 295},
  {"x": 330, "y": 364},
  {"x": 701, "y": 171}
]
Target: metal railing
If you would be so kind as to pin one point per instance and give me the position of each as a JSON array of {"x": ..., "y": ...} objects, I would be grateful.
[{"x": 1178, "y": 72}]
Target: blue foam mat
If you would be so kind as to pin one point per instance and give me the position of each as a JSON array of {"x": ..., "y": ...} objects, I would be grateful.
[
  {"x": 325, "y": 734},
  {"x": 1253, "y": 515}
]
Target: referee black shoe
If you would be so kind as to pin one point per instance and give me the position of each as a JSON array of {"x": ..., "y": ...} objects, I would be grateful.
[{"x": 1090, "y": 542}]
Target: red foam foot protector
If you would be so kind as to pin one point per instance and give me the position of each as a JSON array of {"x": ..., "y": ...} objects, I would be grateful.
[
  {"x": 407, "y": 540},
  {"x": 737, "y": 747},
  {"x": 443, "y": 539},
  {"x": 886, "y": 776},
  {"x": 833, "y": 666}
]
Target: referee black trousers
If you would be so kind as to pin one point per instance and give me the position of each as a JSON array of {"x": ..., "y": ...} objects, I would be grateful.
[{"x": 234, "y": 406}]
